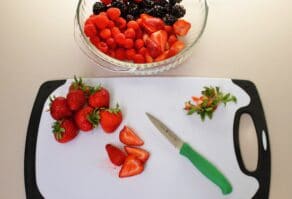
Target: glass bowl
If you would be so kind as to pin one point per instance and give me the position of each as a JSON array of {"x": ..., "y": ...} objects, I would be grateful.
[{"x": 196, "y": 14}]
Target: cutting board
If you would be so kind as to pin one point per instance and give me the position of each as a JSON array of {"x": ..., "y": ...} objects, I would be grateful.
[{"x": 81, "y": 169}]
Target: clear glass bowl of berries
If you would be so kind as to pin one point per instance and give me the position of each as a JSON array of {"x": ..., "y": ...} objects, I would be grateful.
[{"x": 139, "y": 36}]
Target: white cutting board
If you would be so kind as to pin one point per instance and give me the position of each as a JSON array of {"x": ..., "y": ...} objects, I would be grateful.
[{"x": 80, "y": 169}]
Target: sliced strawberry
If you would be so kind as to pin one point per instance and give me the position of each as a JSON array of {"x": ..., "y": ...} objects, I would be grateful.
[
  {"x": 141, "y": 154},
  {"x": 163, "y": 56},
  {"x": 152, "y": 24},
  {"x": 132, "y": 166},
  {"x": 176, "y": 48},
  {"x": 181, "y": 27},
  {"x": 116, "y": 155},
  {"x": 153, "y": 48},
  {"x": 160, "y": 37},
  {"x": 129, "y": 137},
  {"x": 148, "y": 57}
]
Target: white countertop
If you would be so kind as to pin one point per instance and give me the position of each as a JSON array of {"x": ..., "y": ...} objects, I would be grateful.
[{"x": 244, "y": 39}]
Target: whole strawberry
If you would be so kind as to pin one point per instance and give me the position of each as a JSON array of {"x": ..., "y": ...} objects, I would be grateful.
[
  {"x": 99, "y": 98},
  {"x": 76, "y": 99},
  {"x": 59, "y": 108},
  {"x": 64, "y": 130},
  {"x": 110, "y": 119},
  {"x": 78, "y": 84},
  {"x": 86, "y": 118}
]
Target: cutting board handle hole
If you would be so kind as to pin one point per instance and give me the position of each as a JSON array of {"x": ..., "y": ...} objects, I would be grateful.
[{"x": 248, "y": 142}]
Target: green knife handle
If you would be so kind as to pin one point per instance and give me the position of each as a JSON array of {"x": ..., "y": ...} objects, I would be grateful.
[{"x": 207, "y": 168}]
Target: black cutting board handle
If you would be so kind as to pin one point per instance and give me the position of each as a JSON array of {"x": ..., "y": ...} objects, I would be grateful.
[
  {"x": 31, "y": 188},
  {"x": 255, "y": 110}
]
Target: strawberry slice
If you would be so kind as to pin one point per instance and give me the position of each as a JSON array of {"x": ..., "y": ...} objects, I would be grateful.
[
  {"x": 129, "y": 137},
  {"x": 163, "y": 56},
  {"x": 116, "y": 155},
  {"x": 152, "y": 24},
  {"x": 153, "y": 48},
  {"x": 132, "y": 166},
  {"x": 181, "y": 27},
  {"x": 141, "y": 154},
  {"x": 176, "y": 48},
  {"x": 160, "y": 37}
]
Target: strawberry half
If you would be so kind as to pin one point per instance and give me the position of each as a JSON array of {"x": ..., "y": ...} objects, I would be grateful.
[
  {"x": 116, "y": 155},
  {"x": 141, "y": 154},
  {"x": 132, "y": 166},
  {"x": 129, "y": 137},
  {"x": 176, "y": 48},
  {"x": 64, "y": 130},
  {"x": 152, "y": 24},
  {"x": 99, "y": 98},
  {"x": 76, "y": 99},
  {"x": 86, "y": 118},
  {"x": 110, "y": 119},
  {"x": 153, "y": 48},
  {"x": 59, "y": 108},
  {"x": 160, "y": 38},
  {"x": 181, "y": 27}
]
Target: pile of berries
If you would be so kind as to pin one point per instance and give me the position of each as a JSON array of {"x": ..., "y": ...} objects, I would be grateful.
[
  {"x": 83, "y": 109},
  {"x": 140, "y": 36}
]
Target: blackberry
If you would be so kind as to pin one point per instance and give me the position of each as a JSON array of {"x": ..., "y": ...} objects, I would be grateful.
[
  {"x": 121, "y": 5},
  {"x": 162, "y": 3},
  {"x": 148, "y": 3},
  {"x": 173, "y": 2},
  {"x": 159, "y": 11},
  {"x": 178, "y": 11},
  {"x": 98, "y": 7},
  {"x": 169, "y": 19},
  {"x": 148, "y": 11},
  {"x": 133, "y": 9},
  {"x": 130, "y": 17}
]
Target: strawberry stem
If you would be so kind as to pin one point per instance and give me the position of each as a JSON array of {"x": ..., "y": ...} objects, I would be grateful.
[{"x": 58, "y": 130}]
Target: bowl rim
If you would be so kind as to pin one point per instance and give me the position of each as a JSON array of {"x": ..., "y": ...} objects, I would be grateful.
[{"x": 124, "y": 66}]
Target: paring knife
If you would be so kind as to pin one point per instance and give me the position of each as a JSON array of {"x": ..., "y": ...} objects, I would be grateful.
[{"x": 201, "y": 163}]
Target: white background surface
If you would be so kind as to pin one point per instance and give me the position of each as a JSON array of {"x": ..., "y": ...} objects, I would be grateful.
[{"x": 247, "y": 39}]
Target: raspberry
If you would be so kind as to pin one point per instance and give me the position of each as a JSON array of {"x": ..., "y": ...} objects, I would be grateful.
[
  {"x": 89, "y": 21},
  {"x": 94, "y": 40},
  {"x": 120, "y": 54},
  {"x": 142, "y": 51},
  {"x": 111, "y": 24},
  {"x": 115, "y": 31},
  {"x": 138, "y": 58},
  {"x": 101, "y": 21},
  {"x": 90, "y": 30},
  {"x": 120, "y": 38},
  {"x": 139, "y": 33},
  {"x": 148, "y": 57},
  {"x": 130, "y": 33},
  {"x": 106, "y": 2},
  {"x": 129, "y": 43},
  {"x": 113, "y": 13},
  {"x": 121, "y": 23},
  {"x": 102, "y": 47},
  {"x": 111, "y": 43},
  {"x": 105, "y": 33},
  {"x": 103, "y": 13},
  {"x": 130, "y": 53},
  {"x": 139, "y": 43},
  {"x": 112, "y": 53},
  {"x": 172, "y": 39},
  {"x": 139, "y": 22},
  {"x": 133, "y": 24}
]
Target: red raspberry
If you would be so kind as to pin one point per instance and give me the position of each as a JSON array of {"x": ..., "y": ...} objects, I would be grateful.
[
  {"x": 94, "y": 40},
  {"x": 111, "y": 43},
  {"x": 139, "y": 21},
  {"x": 142, "y": 51},
  {"x": 121, "y": 23},
  {"x": 172, "y": 39},
  {"x": 148, "y": 57},
  {"x": 120, "y": 38},
  {"x": 112, "y": 53},
  {"x": 115, "y": 31},
  {"x": 139, "y": 33},
  {"x": 130, "y": 53},
  {"x": 138, "y": 58},
  {"x": 106, "y": 2},
  {"x": 120, "y": 54},
  {"x": 113, "y": 13},
  {"x": 103, "y": 13},
  {"x": 89, "y": 30},
  {"x": 111, "y": 24},
  {"x": 105, "y": 33},
  {"x": 139, "y": 43},
  {"x": 133, "y": 24},
  {"x": 130, "y": 33},
  {"x": 88, "y": 21},
  {"x": 102, "y": 47},
  {"x": 129, "y": 43},
  {"x": 101, "y": 21}
]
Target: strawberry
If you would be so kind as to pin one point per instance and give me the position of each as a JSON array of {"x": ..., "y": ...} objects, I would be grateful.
[
  {"x": 132, "y": 166},
  {"x": 153, "y": 48},
  {"x": 59, "y": 108},
  {"x": 141, "y": 154},
  {"x": 176, "y": 48},
  {"x": 129, "y": 137},
  {"x": 99, "y": 98},
  {"x": 86, "y": 118},
  {"x": 116, "y": 155},
  {"x": 163, "y": 56},
  {"x": 152, "y": 24},
  {"x": 181, "y": 27},
  {"x": 160, "y": 38},
  {"x": 110, "y": 119},
  {"x": 76, "y": 99},
  {"x": 148, "y": 58},
  {"x": 64, "y": 130}
]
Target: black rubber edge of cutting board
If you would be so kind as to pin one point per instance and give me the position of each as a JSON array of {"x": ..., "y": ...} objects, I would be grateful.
[{"x": 255, "y": 109}]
